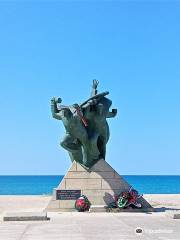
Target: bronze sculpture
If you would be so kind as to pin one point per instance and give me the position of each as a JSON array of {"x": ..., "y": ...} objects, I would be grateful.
[{"x": 87, "y": 130}]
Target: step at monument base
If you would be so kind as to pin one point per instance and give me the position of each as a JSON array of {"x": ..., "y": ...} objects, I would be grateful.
[{"x": 25, "y": 216}]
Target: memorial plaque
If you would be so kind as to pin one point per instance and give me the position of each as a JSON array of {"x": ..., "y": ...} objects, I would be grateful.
[{"x": 68, "y": 194}]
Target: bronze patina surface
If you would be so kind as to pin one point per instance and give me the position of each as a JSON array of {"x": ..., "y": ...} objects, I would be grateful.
[{"x": 87, "y": 130}]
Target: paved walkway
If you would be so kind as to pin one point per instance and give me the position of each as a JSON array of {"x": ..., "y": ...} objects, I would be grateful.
[{"x": 97, "y": 226}]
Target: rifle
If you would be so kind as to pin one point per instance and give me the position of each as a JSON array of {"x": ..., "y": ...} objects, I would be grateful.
[{"x": 97, "y": 97}]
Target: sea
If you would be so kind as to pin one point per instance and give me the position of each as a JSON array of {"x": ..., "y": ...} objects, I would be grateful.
[{"x": 43, "y": 185}]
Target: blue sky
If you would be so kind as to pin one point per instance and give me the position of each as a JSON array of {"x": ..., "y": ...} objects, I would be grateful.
[{"x": 56, "y": 48}]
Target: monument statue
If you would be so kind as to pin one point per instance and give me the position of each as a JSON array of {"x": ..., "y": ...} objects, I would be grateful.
[
  {"x": 87, "y": 130},
  {"x": 89, "y": 176}
]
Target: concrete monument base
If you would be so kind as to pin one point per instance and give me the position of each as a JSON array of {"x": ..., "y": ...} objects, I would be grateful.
[{"x": 99, "y": 184}]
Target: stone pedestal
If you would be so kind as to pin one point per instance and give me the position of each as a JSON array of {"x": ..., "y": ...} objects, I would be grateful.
[{"x": 99, "y": 184}]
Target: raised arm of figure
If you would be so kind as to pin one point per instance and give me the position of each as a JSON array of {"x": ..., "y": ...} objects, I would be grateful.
[
  {"x": 54, "y": 110},
  {"x": 94, "y": 87}
]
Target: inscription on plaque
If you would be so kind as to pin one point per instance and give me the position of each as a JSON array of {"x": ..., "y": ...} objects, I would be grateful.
[{"x": 68, "y": 194}]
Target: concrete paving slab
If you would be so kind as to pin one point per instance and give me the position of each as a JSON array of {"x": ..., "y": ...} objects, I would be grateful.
[{"x": 101, "y": 226}]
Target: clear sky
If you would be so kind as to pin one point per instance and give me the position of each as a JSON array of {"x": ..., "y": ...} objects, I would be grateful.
[{"x": 56, "y": 48}]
